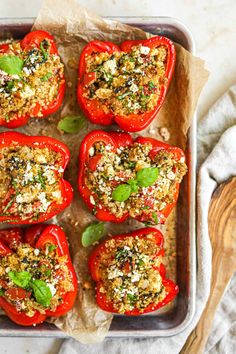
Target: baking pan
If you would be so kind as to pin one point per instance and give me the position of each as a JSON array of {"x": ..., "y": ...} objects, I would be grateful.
[{"x": 177, "y": 317}]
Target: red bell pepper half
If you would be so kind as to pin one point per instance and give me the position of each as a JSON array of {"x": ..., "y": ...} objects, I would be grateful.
[
  {"x": 89, "y": 163},
  {"x": 14, "y": 139},
  {"x": 38, "y": 237},
  {"x": 31, "y": 41},
  {"x": 103, "y": 253},
  {"x": 92, "y": 108}
]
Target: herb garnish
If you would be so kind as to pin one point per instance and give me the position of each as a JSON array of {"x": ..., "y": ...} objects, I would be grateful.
[
  {"x": 93, "y": 233},
  {"x": 145, "y": 177},
  {"x": 11, "y": 64},
  {"x": 71, "y": 124}
]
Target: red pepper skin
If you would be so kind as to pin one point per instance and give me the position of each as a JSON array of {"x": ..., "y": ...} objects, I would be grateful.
[
  {"x": 88, "y": 142},
  {"x": 11, "y": 237},
  {"x": 116, "y": 140},
  {"x": 93, "y": 109},
  {"x": 30, "y": 41},
  {"x": 7, "y": 139},
  {"x": 94, "y": 261},
  {"x": 37, "y": 236}
]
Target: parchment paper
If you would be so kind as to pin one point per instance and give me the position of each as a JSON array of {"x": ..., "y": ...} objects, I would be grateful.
[{"x": 73, "y": 26}]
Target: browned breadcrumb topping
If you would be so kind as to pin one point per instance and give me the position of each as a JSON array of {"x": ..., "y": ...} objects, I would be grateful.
[
  {"x": 37, "y": 264},
  {"x": 29, "y": 181},
  {"x": 127, "y": 273},
  {"x": 121, "y": 166},
  {"x": 127, "y": 83},
  {"x": 36, "y": 85}
]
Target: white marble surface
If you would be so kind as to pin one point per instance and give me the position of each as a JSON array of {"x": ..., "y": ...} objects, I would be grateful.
[{"x": 213, "y": 24}]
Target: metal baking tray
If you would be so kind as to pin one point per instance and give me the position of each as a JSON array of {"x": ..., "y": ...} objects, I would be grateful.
[{"x": 177, "y": 318}]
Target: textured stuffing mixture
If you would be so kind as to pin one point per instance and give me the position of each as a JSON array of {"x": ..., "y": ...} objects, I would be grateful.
[
  {"x": 127, "y": 273},
  {"x": 127, "y": 83},
  {"x": 126, "y": 166},
  {"x": 29, "y": 181},
  {"x": 36, "y": 84},
  {"x": 34, "y": 279}
]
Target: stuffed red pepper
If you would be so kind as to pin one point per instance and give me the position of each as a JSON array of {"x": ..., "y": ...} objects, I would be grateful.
[
  {"x": 37, "y": 276},
  {"x": 126, "y": 84},
  {"x": 32, "y": 187},
  {"x": 121, "y": 177},
  {"x": 32, "y": 82},
  {"x": 129, "y": 274}
]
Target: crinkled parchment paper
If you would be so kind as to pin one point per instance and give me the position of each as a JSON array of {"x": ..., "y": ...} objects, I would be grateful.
[{"x": 73, "y": 27}]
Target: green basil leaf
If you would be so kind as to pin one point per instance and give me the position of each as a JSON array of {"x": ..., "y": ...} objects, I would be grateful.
[
  {"x": 21, "y": 279},
  {"x": 71, "y": 124},
  {"x": 41, "y": 292},
  {"x": 2, "y": 292},
  {"x": 10, "y": 85},
  {"x": 147, "y": 176},
  {"x": 44, "y": 49},
  {"x": 121, "y": 193},
  {"x": 120, "y": 97},
  {"x": 132, "y": 298},
  {"x": 48, "y": 272},
  {"x": 11, "y": 64},
  {"x": 46, "y": 77},
  {"x": 52, "y": 247},
  {"x": 155, "y": 218},
  {"x": 93, "y": 233},
  {"x": 134, "y": 186}
]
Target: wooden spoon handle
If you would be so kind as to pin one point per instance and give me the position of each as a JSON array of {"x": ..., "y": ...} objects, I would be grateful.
[
  {"x": 221, "y": 275},
  {"x": 222, "y": 226}
]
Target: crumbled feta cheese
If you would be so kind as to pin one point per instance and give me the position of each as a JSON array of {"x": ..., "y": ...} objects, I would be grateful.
[
  {"x": 114, "y": 273},
  {"x": 92, "y": 201},
  {"x": 19, "y": 198},
  {"x": 136, "y": 105},
  {"x": 134, "y": 88},
  {"x": 41, "y": 159},
  {"x": 26, "y": 71},
  {"x": 60, "y": 169},
  {"x": 52, "y": 289},
  {"x": 43, "y": 199},
  {"x": 56, "y": 194},
  {"x": 126, "y": 248},
  {"x": 91, "y": 151},
  {"x": 27, "y": 92},
  {"x": 171, "y": 175},
  {"x": 36, "y": 251},
  {"x": 135, "y": 277},
  {"x": 108, "y": 147},
  {"x": 144, "y": 50},
  {"x": 28, "y": 167},
  {"x": 110, "y": 66}
]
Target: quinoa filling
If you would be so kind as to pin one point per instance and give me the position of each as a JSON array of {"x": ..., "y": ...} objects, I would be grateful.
[
  {"x": 29, "y": 181},
  {"x": 127, "y": 273},
  {"x": 121, "y": 179},
  {"x": 36, "y": 84},
  {"x": 34, "y": 279},
  {"x": 127, "y": 83}
]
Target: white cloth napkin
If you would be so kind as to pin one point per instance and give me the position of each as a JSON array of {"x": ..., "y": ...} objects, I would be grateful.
[{"x": 217, "y": 148}]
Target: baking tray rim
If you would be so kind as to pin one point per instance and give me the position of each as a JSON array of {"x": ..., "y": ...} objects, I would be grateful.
[{"x": 56, "y": 333}]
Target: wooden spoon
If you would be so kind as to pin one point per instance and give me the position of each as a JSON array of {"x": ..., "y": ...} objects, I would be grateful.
[{"x": 222, "y": 231}]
